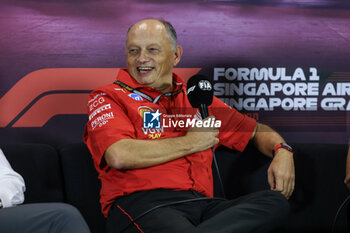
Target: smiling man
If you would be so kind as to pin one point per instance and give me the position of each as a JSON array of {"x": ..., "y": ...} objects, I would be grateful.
[
  {"x": 160, "y": 180},
  {"x": 151, "y": 54}
]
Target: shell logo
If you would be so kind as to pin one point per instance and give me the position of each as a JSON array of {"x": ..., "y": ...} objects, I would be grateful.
[{"x": 143, "y": 109}]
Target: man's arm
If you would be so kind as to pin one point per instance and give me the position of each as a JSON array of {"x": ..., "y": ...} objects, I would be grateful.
[
  {"x": 11, "y": 183},
  {"x": 135, "y": 153},
  {"x": 347, "y": 171},
  {"x": 281, "y": 174}
]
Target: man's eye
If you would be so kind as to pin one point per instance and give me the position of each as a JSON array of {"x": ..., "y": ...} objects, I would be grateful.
[
  {"x": 133, "y": 51},
  {"x": 153, "y": 50}
]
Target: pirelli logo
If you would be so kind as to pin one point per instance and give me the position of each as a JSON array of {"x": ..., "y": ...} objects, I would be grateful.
[
  {"x": 100, "y": 109},
  {"x": 45, "y": 93}
]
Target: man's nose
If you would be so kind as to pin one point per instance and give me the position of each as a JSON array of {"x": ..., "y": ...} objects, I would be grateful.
[{"x": 143, "y": 57}]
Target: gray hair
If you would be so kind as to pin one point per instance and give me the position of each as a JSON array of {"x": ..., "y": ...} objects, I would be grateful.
[{"x": 171, "y": 33}]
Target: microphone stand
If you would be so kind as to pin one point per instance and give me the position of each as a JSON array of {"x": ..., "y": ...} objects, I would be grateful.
[
  {"x": 203, "y": 108},
  {"x": 218, "y": 173}
]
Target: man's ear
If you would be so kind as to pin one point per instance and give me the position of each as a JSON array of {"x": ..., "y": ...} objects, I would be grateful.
[{"x": 177, "y": 54}]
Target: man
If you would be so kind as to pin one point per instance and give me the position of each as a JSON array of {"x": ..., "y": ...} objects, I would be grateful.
[
  {"x": 29, "y": 218},
  {"x": 165, "y": 185},
  {"x": 347, "y": 170}
]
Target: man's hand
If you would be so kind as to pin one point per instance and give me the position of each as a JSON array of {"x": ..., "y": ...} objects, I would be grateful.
[
  {"x": 347, "y": 171},
  {"x": 281, "y": 174},
  {"x": 138, "y": 153},
  {"x": 203, "y": 138},
  {"x": 347, "y": 180}
]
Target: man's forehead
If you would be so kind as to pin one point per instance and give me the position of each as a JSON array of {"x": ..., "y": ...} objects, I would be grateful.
[
  {"x": 148, "y": 31},
  {"x": 148, "y": 25}
]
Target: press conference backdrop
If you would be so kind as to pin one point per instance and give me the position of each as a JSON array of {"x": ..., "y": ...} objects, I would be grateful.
[{"x": 284, "y": 63}]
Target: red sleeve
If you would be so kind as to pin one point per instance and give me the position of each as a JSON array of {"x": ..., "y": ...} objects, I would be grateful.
[
  {"x": 108, "y": 123},
  {"x": 236, "y": 128}
]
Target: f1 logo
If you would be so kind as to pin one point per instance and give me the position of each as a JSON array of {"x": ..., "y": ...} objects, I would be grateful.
[
  {"x": 151, "y": 119},
  {"x": 45, "y": 93}
]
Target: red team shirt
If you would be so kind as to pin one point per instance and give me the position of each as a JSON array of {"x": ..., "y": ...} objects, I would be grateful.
[{"x": 115, "y": 113}]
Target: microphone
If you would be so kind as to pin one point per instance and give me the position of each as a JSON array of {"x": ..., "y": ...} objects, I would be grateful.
[{"x": 200, "y": 93}]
